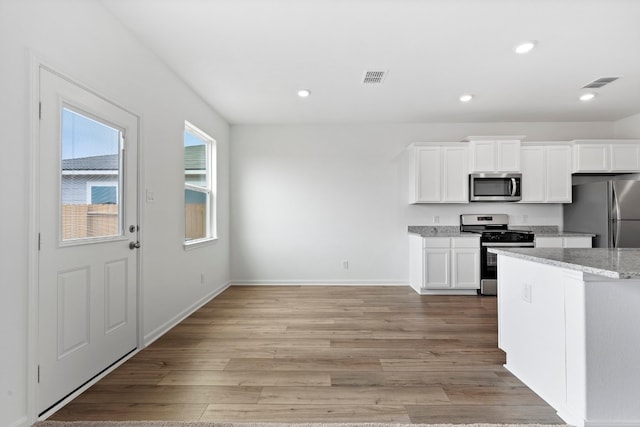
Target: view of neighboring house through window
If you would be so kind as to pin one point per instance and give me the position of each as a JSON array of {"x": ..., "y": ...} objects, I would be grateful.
[
  {"x": 90, "y": 178},
  {"x": 199, "y": 185}
]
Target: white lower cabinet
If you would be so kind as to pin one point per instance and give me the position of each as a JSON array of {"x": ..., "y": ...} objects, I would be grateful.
[
  {"x": 563, "y": 242},
  {"x": 465, "y": 268},
  {"x": 444, "y": 264}
]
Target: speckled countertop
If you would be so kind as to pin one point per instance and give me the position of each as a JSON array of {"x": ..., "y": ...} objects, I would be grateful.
[
  {"x": 439, "y": 231},
  {"x": 549, "y": 231},
  {"x": 613, "y": 263},
  {"x": 454, "y": 231}
]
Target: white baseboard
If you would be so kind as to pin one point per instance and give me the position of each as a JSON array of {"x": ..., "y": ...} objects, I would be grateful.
[
  {"x": 165, "y": 327},
  {"x": 318, "y": 283},
  {"x": 446, "y": 291}
]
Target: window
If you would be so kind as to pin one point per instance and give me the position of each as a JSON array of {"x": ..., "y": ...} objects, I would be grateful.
[
  {"x": 199, "y": 186},
  {"x": 91, "y": 176}
]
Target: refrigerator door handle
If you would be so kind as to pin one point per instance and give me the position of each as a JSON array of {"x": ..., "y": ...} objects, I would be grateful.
[
  {"x": 614, "y": 234},
  {"x": 615, "y": 204}
]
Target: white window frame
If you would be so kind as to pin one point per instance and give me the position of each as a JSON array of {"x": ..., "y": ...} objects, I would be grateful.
[{"x": 209, "y": 190}]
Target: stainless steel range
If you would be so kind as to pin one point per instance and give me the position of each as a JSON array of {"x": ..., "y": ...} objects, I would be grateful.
[{"x": 495, "y": 232}]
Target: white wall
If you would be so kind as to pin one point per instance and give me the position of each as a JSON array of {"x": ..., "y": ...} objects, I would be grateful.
[
  {"x": 79, "y": 38},
  {"x": 628, "y": 127},
  {"x": 304, "y": 198}
]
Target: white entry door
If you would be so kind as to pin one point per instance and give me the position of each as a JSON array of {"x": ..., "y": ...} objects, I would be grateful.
[{"x": 87, "y": 214}]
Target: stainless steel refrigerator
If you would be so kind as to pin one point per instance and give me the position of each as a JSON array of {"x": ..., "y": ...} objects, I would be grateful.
[{"x": 609, "y": 209}]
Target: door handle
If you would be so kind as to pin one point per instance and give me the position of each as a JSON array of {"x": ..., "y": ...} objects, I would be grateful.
[
  {"x": 134, "y": 245},
  {"x": 514, "y": 187}
]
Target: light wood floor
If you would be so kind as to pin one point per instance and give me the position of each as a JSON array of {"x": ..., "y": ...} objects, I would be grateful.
[{"x": 321, "y": 354}]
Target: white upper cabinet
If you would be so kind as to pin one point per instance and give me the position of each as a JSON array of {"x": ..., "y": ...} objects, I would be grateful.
[
  {"x": 532, "y": 161},
  {"x": 606, "y": 156},
  {"x": 546, "y": 173},
  {"x": 455, "y": 175},
  {"x": 508, "y": 155},
  {"x": 428, "y": 175},
  {"x": 438, "y": 174},
  {"x": 558, "y": 174},
  {"x": 625, "y": 157},
  {"x": 494, "y": 154},
  {"x": 483, "y": 156}
]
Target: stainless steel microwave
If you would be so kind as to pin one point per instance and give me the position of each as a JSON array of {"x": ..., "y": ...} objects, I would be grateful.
[{"x": 495, "y": 187}]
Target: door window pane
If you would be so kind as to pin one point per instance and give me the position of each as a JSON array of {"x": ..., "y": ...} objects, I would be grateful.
[{"x": 90, "y": 178}]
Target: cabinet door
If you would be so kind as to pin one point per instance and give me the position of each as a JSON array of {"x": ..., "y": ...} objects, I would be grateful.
[
  {"x": 437, "y": 264},
  {"x": 625, "y": 157},
  {"x": 455, "y": 186},
  {"x": 508, "y": 156},
  {"x": 549, "y": 242},
  {"x": 558, "y": 174},
  {"x": 428, "y": 174},
  {"x": 533, "y": 176},
  {"x": 591, "y": 158},
  {"x": 465, "y": 268},
  {"x": 483, "y": 158}
]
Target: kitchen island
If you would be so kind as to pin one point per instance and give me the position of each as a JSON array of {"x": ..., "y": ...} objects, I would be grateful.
[{"x": 569, "y": 322}]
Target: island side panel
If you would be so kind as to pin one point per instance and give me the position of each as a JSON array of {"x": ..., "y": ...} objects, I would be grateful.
[
  {"x": 531, "y": 325},
  {"x": 574, "y": 411},
  {"x": 612, "y": 350}
]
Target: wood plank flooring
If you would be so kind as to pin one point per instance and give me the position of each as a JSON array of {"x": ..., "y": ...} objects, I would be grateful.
[{"x": 321, "y": 354}]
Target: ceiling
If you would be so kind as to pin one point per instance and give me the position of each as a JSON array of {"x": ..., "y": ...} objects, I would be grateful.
[{"x": 248, "y": 58}]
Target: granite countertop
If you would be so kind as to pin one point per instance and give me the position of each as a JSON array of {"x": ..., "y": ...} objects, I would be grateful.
[
  {"x": 454, "y": 231},
  {"x": 613, "y": 263},
  {"x": 549, "y": 231},
  {"x": 565, "y": 234},
  {"x": 439, "y": 231}
]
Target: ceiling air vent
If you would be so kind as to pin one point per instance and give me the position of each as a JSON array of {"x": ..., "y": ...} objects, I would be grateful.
[
  {"x": 600, "y": 82},
  {"x": 374, "y": 77}
]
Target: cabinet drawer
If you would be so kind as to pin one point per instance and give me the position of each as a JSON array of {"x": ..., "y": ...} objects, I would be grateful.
[
  {"x": 436, "y": 242},
  {"x": 465, "y": 242},
  {"x": 548, "y": 242},
  {"x": 577, "y": 242}
]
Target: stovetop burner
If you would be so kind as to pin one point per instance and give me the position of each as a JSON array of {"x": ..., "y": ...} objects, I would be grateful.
[
  {"x": 493, "y": 228},
  {"x": 507, "y": 236}
]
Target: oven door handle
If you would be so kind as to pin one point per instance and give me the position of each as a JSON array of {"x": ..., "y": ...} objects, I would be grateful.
[{"x": 507, "y": 245}]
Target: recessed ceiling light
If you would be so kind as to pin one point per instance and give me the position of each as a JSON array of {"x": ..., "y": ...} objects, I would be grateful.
[
  {"x": 466, "y": 98},
  {"x": 525, "y": 47},
  {"x": 587, "y": 96},
  {"x": 304, "y": 93}
]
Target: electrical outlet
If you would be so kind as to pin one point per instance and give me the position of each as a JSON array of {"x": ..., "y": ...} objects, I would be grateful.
[
  {"x": 202, "y": 278},
  {"x": 525, "y": 219},
  {"x": 436, "y": 219},
  {"x": 151, "y": 197},
  {"x": 345, "y": 264}
]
